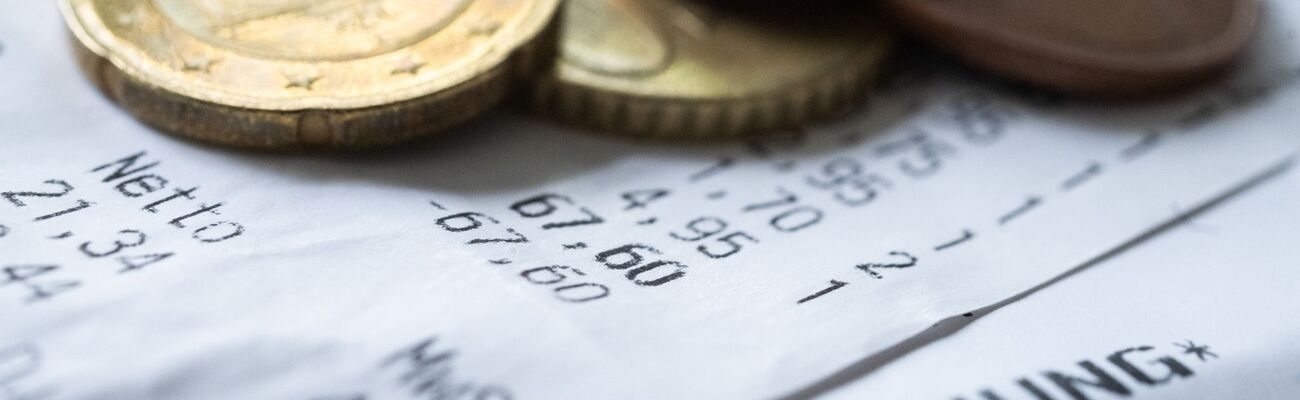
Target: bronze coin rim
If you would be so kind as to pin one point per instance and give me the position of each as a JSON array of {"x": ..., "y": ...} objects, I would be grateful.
[
  {"x": 819, "y": 96},
  {"x": 284, "y": 130}
]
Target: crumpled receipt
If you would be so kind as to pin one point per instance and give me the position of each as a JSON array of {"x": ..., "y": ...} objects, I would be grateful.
[{"x": 519, "y": 259}]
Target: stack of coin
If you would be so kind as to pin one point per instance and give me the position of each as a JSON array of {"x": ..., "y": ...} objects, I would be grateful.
[{"x": 277, "y": 74}]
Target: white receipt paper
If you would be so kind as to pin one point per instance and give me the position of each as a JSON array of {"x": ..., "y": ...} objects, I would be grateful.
[
  {"x": 519, "y": 259},
  {"x": 1206, "y": 311}
]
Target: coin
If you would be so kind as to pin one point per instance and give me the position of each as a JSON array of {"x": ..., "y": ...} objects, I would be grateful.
[
  {"x": 295, "y": 73},
  {"x": 686, "y": 70},
  {"x": 1093, "y": 47}
]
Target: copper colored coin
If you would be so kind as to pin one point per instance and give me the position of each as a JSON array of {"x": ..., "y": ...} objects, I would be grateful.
[{"x": 1092, "y": 47}]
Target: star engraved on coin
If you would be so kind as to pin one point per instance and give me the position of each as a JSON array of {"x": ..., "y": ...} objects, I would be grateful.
[
  {"x": 302, "y": 81},
  {"x": 409, "y": 65},
  {"x": 1200, "y": 351},
  {"x": 200, "y": 63}
]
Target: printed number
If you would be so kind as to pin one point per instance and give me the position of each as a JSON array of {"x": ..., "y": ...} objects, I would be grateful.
[
  {"x": 25, "y": 275},
  {"x": 551, "y": 274},
  {"x": 927, "y": 159},
  {"x": 128, "y": 238},
  {"x": 575, "y": 293},
  {"x": 630, "y": 250},
  {"x": 706, "y": 227},
  {"x": 980, "y": 120},
  {"x": 471, "y": 221},
  {"x": 133, "y": 238},
  {"x": 836, "y": 173},
  {"x": 676, "y": 270},
  {"x": 849, "y": 185},
  {"x": 792, "y": 219},
  {"x": 732, "y": 240},
  {"x": 870, "y": 268},
  {"x": 132, "y": 263},
  {"x": 468, "y": 221},
  {"x": 633, "y": 257},
  {"x": 81, "y": 205},
  {"x": 787, "y": 198},
  {"x": 581, "y": 292},
  {"x": 546, "y": 204},
  {"x": 14, "y": 197},
  {"x": 862, "y": 190},
  {"x": 796, "y": 219},
  {"x": 701, "y": 228},
  {"x": 642, "y": 198}
]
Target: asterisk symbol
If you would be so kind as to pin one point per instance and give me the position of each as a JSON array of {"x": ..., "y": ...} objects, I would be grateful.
[{"x": 1200, "y": 351}]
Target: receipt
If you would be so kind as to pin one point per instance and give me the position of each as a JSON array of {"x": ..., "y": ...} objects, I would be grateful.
[
  {"x": 518, "y": 259},
  {"x": 1205, "y": 311}
]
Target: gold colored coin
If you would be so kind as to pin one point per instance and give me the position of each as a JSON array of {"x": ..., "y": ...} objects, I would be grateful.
[
  {"x": 289, "y": 73},
  {"x": 679, "y": 69}
]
